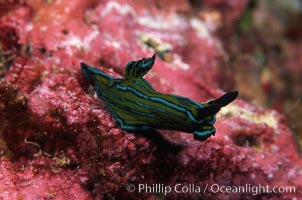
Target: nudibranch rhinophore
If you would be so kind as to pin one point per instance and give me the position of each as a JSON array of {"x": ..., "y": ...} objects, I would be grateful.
[{"x": 136, "y": 106}]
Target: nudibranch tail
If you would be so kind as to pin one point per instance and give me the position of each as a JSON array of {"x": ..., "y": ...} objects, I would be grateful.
[{"x": 85, "y": 71}]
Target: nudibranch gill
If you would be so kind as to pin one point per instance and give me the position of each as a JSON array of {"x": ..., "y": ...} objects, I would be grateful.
[{"x": 136, "y": 105}]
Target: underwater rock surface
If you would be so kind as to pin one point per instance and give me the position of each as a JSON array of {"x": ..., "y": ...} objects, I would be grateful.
[{"x": 58, "y": 141}]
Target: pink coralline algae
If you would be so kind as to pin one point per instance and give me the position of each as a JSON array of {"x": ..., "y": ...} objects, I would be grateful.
[{"x": 58, "y": 141}]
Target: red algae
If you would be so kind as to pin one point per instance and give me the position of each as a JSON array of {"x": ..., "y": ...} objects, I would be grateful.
[{"x": 58, "y": 140}]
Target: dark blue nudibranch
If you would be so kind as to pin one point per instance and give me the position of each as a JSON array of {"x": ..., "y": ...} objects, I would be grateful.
[{"x": 136, "y": 106}]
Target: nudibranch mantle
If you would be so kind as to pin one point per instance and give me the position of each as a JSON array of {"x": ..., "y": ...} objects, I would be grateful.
[{"x": 136, "y": 106}]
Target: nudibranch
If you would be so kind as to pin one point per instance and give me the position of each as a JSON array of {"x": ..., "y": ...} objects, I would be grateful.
[{"x": 137, "y": 106}]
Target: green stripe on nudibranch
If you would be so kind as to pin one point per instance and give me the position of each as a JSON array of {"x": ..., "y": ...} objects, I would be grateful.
[{"x": 135, "y": 105}]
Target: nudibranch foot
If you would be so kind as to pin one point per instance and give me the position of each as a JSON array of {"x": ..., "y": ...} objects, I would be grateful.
[{"x": 203, "y": 135}]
